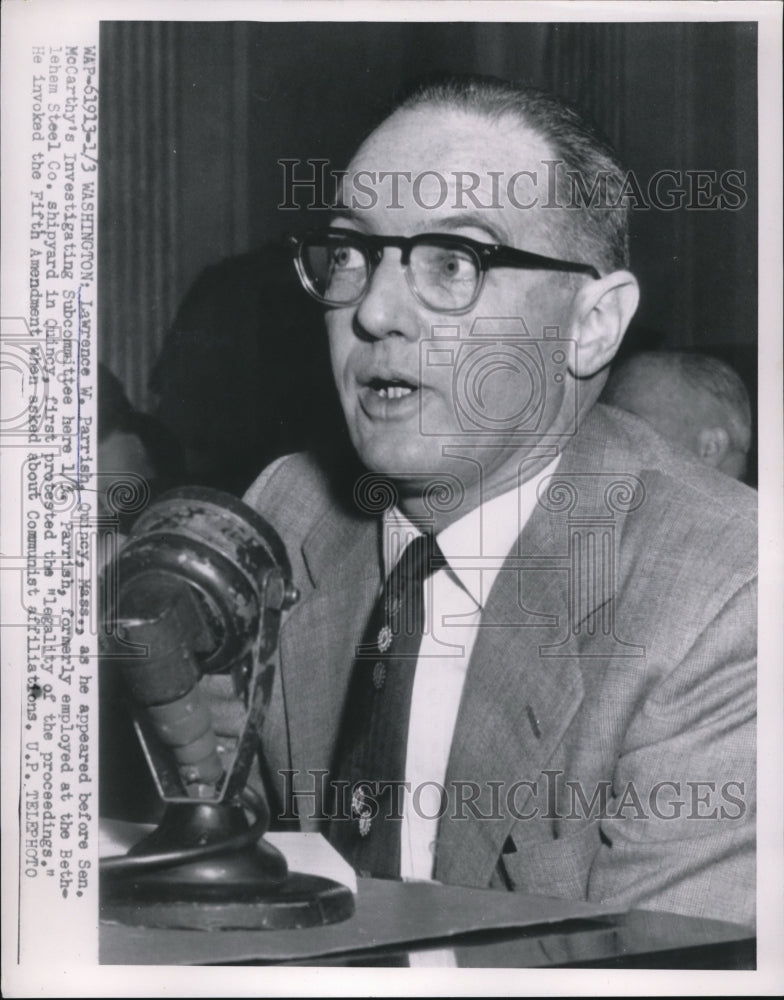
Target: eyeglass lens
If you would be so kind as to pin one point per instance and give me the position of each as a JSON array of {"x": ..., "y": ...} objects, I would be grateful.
[{"x": 444, "y": 277}]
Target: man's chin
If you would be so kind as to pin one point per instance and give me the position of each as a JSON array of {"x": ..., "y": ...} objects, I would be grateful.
[
  {"x": 415, "y": 476},
  {"x": 401, "y": 463}
]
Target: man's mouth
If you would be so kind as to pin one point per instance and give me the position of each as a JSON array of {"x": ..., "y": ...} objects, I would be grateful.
[
  {"x": 389, "y": 397},
  {"x": 391, "y": 388}
]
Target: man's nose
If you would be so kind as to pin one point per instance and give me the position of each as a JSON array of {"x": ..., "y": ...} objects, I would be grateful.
[{"x": 389, "y": 307}]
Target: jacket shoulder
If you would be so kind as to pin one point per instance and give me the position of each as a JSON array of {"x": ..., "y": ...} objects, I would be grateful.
[
  {"x": 691, "y": 517},
  {"x": 292, "y": 493},
  {"x": 670, "y": 469}
]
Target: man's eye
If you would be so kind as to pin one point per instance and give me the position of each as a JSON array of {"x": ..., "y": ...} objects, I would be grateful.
[
  {"x": 347, "y": 257},
  {"x": 451, "y": 265}
]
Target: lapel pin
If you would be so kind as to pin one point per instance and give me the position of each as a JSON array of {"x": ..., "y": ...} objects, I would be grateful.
[
  {"x": 384, "y": 639},
  {"x": 360, "y": 808}
]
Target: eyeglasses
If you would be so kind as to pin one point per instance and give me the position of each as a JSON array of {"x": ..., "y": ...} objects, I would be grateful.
[{"x": 445, "y": 272}]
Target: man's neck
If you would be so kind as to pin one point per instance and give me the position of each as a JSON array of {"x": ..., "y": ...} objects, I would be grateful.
[{"x": 436, "y": 509}]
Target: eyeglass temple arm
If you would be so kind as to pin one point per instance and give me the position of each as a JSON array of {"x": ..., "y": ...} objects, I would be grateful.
[{"x": 524, "y": 258}]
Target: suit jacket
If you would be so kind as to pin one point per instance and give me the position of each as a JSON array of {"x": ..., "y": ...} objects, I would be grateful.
[{"x": 606, "y": 725}]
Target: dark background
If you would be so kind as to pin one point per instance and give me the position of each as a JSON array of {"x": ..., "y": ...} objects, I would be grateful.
[{"x": 194, "y": 117}]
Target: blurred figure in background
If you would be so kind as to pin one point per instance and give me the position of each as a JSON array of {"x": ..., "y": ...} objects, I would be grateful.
[
  {"x": 131, "y": 444},
  {"x": 694, "y": 400},
  {"x": 240, "y": 376}
]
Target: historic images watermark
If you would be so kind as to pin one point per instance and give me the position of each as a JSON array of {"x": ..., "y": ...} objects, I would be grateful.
[
  {"x": 314, "y": 184},
  {"x": 551, "y": 796}
]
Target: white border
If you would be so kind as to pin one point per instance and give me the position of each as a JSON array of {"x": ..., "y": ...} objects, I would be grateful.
[{"x": 21, "y": 19}]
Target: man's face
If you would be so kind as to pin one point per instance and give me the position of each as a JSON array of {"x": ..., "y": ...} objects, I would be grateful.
[{"x": 404, "y": 416}]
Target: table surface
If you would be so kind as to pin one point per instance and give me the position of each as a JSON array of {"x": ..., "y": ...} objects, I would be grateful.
[
  {"x": 400, "y": 924},
  {"x": 638, "y": 939}
]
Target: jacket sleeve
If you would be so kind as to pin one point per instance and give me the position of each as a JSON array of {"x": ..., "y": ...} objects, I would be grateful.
[{"x": 681, "y": 832}]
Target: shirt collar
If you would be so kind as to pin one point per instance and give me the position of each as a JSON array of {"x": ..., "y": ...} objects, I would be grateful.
[{"x": 477, "y": 544}]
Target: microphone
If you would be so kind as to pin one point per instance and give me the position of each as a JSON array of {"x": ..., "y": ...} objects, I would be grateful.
[{"x": 199, "y": 588}]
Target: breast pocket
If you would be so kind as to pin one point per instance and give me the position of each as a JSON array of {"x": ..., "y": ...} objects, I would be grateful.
[{"x": 557, "y": 867}]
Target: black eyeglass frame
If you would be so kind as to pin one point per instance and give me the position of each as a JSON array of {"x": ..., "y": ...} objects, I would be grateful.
[{"x": 487, "y": 255}]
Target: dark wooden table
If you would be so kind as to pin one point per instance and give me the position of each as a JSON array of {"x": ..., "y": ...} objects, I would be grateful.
[
  {"x": 464, "y": 928},
  {"x": 636, "y": 940}
]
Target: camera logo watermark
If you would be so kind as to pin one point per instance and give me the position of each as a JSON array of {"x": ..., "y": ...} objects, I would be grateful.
[{"x": 501, "y": 377}]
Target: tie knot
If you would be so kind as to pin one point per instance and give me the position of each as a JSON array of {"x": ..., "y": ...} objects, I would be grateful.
[{"x": 420, "y": 559}]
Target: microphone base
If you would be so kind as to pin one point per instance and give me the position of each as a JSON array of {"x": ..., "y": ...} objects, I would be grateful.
[
  {"x": 299, "y": 902},
  {"x": 246, "y": 887}
]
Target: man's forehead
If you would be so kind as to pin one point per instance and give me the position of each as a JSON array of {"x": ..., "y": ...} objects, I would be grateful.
[
  {"x": 444, "y": 138},
  {"x": 425, "y": 165}
]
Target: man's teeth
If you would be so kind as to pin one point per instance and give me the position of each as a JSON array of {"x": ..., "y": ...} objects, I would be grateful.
[{"x": 394, "y": 391}]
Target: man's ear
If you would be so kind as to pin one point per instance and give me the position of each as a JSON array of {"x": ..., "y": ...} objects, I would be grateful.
[
  {"x": 712, "y": 445},
  {"x": 601, "y": 312}
]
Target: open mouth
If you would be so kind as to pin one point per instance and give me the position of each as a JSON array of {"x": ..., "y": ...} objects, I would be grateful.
[{"x": 391, "y": 388}]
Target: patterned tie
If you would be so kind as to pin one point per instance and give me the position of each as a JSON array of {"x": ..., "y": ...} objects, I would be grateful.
[{"x": 371, "y": 755}]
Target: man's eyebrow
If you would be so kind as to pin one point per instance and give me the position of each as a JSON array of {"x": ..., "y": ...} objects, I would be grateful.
[
  {"x": 344, "y": 213},
  {"x": 340, "y": 211},
  {"x": 463, "y": 220},
  {"x": 448, "y": 223}
]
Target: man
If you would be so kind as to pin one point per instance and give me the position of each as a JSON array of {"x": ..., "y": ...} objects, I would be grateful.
[
  {"x": 695, "y": 400},
  {"x": 579, "y": 717}
]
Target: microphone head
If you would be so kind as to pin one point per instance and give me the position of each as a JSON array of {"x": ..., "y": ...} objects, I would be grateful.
[{"x": 231, "y": 560}]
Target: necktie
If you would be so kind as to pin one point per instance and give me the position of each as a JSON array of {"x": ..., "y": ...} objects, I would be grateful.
[{"x": 370, "y": 761}]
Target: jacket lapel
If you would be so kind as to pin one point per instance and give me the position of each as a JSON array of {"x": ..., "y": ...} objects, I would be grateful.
[
  {"x": 515, "y": 707},
  {"x": 342, "y": 560},
  {"x": 524, "y": 683}
]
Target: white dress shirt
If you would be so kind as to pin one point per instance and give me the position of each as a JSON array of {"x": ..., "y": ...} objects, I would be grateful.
[{"x": 475, "y": 548}]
